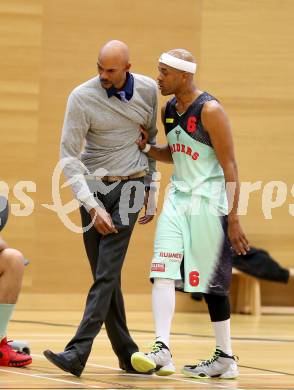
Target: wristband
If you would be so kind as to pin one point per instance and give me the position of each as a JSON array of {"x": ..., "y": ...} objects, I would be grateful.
[{"x": 146, "y": 149}]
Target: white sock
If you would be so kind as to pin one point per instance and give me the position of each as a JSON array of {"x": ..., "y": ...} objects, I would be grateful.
[
  {"x": 222, "y": 331},
  {"x": 163, "y": 306}
]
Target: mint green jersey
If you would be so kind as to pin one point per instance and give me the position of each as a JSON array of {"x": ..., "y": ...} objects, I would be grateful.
[{"x": 197, "y": 169}]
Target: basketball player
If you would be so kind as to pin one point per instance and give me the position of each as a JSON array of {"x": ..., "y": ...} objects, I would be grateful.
[
  {"x": 11, "y": 272},
  {"x": 199, "y": 221}
]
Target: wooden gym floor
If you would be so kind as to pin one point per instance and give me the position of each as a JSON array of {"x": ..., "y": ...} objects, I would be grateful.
[{"x": 264, "y": 345}]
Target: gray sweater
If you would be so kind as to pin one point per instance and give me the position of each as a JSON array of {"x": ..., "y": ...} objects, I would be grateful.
[{"x": 99, "y": 134}]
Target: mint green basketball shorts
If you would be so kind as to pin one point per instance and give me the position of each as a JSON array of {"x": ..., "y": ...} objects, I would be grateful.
[{"x": 191, "y": 245}]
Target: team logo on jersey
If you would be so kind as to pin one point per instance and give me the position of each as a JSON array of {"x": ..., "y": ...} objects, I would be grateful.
[
  {"x": 158, "y": 267},
  {"x": 181, "y": 148},
  {"x": 169, "y": 120}
]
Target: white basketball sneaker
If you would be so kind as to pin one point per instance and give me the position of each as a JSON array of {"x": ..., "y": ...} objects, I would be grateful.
[
  {"x": 220, "y": 365},
  {"x": 159, "y": 360}
]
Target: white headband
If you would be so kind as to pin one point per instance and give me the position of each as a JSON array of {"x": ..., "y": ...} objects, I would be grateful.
[{"x": 178, "y": 63}]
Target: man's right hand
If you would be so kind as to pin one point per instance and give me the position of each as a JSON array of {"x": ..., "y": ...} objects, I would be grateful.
[{"x": 102, "y": 221}]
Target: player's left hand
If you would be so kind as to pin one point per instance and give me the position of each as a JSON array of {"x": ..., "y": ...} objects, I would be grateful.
[
  {"x": 147, "y": 217},
  {"x": 237, "y": 237}
]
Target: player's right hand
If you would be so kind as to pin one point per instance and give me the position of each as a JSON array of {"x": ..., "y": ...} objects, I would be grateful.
[
  {"x": 102, "y": 221},
  {"x": 150, "y": 207},
  {"x": 142, "y": 141}
]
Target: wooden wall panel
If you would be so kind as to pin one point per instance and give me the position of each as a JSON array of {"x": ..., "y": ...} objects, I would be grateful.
[
  {"x": 72, "y": 34},
  {"x": 247, "y": 51},
  {"x": 20, "y": 46}
]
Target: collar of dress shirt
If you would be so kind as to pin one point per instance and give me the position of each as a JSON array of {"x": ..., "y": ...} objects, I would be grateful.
[{"x": 128, "y": 88}]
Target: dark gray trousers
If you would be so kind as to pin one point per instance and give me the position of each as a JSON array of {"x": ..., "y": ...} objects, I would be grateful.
[{"x": 106, "y": 255}]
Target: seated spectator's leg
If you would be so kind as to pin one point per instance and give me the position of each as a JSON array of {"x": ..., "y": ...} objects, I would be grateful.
[{"x": 11, "y": 273}]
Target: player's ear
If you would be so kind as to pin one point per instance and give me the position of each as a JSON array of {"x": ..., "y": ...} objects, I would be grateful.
[
  {"x": 128, "y": 67},
  {"x": 185, "y": 76}
]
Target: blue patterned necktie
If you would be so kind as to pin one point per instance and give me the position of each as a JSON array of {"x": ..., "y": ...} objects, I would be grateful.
[{"x": 122, "y": 95}]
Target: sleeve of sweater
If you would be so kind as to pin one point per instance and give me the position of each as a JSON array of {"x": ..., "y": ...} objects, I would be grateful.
[
  {"x": 152, "y": 130},
  {"x": 75, "y": 128}
]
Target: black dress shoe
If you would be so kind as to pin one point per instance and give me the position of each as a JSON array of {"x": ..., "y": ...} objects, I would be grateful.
[
  {"x": 133, "y": 371},
  {"x": 66, "y": 361}
]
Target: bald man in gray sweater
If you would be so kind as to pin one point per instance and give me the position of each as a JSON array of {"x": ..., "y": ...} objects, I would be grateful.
[{"x": 110, "y": 177}]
